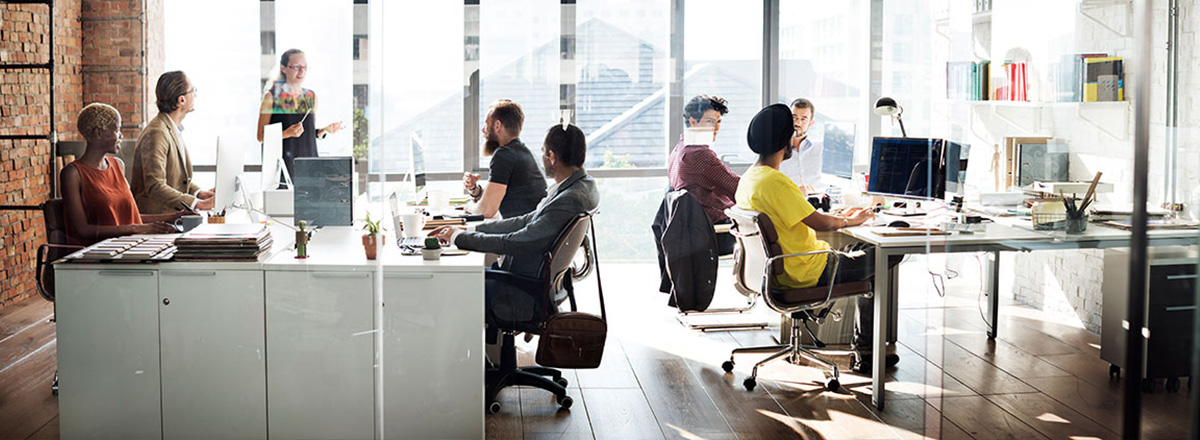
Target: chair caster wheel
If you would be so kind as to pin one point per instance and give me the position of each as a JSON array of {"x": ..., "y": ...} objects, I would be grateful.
[
  {"x": 1148, "y": 385},
  {"x": 562, "y": 382},
  {"x": 1173, "y": 384},
  {"x": 832, "y": 384},
  {"x": 493, "y": 408},
  {"x": 727, "y": 366},
  {"x": 1114, "y": 372},
  {"x": 749, "y": 383},
  {"x": 564, "y": 401}
]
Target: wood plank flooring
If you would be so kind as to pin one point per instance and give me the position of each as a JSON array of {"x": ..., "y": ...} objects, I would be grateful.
[{"x": 1040, "y": 379}]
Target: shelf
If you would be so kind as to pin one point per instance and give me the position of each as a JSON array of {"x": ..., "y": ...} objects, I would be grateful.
[{"x": 1109, "y": 117}]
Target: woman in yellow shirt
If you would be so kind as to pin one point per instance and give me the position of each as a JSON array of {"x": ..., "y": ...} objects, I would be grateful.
[{"x": 767, "y": 190}]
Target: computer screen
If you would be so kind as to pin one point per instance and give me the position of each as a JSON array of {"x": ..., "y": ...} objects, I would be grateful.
[
  {"x": 416, "y": 161},
  {"x": 916, "y": 167},
  {"x": 230, "y": 158},
  {"x": 838, "y": 150}
]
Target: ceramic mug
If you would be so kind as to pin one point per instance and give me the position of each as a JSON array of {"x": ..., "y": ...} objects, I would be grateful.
[
  {"x": 439, "y": 201},
  {"x": 189, "y": 222},
  {"x": 413, "y": 224}
]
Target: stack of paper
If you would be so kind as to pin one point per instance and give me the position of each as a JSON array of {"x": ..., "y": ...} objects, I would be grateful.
[{"x": 223, "y": 242}]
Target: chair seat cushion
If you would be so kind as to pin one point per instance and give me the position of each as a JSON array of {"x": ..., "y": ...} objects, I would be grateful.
[{"x": 791, "y": 297}]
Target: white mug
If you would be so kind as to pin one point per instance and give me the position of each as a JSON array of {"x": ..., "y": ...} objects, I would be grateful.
[{"x": 413, "y": 224}]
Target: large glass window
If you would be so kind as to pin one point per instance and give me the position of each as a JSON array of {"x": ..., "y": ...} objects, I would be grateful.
[
  {"x": 621, "y": 61},
  {"x": 723, "y": 56},
  {"x": 519, "y": 51},
  {"x": 329, "y": 48},
  {"x": 226, "y": 80}
]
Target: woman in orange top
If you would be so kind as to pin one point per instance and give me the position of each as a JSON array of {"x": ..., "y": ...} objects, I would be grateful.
[{"x": 96, "y": 197}]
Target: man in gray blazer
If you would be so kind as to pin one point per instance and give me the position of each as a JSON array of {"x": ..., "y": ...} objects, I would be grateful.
[{"x": 524, "y": 240}]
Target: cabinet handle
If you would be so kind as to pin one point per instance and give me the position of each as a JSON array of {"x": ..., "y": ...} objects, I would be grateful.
[
  {"x": 1182, "y": 277},
  {"x": 128, "y": 273},
  {"x": 166, "y": 301},
  {"x": 339, "y": 275},
  {"x": 409, "y": 276},
  {"x": 188, "y": 273},
  {"x": 1179, "y": 308}
]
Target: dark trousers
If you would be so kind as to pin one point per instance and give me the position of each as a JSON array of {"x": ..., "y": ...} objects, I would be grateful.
[{"x": 859, "y": 268}]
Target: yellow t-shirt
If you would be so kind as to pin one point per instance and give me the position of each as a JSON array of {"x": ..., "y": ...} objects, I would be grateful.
[{"x": 766, "y": 190}]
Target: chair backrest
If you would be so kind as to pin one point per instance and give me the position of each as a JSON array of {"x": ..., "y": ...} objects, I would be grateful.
[
  {"x": 756, "y": 235},
  {"x": 56, "y": 237},
  {"x": 558, "y": 261}
]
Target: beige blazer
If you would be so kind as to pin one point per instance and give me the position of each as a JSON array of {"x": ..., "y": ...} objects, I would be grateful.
[{"x": 161, "y": 178}]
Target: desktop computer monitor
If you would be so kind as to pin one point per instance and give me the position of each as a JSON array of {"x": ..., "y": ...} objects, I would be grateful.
[
  {"x": 837, "y": 155},
  {"x": 230, "y": 162},
  {"x": 415, "y": 178},
  {"x": 916, "y": 168}
]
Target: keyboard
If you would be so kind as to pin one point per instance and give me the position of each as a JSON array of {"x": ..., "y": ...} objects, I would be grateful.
[{"x": 412, "y": 242}]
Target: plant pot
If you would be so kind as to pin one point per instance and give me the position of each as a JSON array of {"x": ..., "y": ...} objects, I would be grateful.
[
  {"x": 431, "y": 254},
  {"x": 371, "y": 245}
]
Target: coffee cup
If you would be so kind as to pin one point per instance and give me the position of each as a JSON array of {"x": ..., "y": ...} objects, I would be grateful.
[
  {"x": 413, "y": 224},
  {"x": 189, "y": 222}
]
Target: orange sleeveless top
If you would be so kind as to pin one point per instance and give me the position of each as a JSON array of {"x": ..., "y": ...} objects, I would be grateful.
[{"x": 107, "y": 200}]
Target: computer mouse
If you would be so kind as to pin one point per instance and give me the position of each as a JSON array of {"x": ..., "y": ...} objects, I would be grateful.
[{"x": 898, "y": 224}]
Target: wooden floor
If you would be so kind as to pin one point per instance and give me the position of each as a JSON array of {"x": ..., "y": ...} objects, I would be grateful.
[{"x": 1040, "y": 379}]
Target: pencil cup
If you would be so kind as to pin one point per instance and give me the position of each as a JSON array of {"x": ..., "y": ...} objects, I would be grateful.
[{"x": 1076, "y": 222}]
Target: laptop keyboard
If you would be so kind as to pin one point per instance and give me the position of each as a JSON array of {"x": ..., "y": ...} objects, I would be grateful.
[{"x": 414, "y": 242}]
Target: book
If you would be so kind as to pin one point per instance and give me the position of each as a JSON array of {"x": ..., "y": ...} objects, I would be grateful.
[
  {"x": 1162, "y": 223},
  {"x": 1104, "y": 79}
]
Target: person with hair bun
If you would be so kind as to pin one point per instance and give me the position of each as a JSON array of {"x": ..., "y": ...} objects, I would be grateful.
[
  {"x": 98, "y": 203},
  {"x": 286, "y": 101}
]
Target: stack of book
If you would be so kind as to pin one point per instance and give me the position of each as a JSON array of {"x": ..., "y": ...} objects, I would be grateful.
[
  {"x": 1090, "y": 77},
  {"x": 968, "y": 81},
  {"x": 223, "y": 242}
]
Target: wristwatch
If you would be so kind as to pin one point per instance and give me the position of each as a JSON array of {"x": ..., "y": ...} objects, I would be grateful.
[{"x": 476, "y": 192}]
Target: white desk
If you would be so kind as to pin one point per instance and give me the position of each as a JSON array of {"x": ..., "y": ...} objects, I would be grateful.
[
  {"x": 281, "y": 348},
  {"x": 1006, "y": 234}
]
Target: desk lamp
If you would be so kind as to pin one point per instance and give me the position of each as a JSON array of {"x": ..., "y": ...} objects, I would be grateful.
[{"x": 888, "y": 107}]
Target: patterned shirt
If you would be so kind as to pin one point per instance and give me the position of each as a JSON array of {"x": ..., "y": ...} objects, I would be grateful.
[{"x": 697, "y": 169}]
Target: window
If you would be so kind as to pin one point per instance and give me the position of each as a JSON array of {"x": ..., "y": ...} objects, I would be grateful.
[
  {"x": 519, "y": 51},
  {"x": 723, "y": 56},
  {"x": 227, "y": 80},
  {"x": 327, "y": 46},
  {"x": 621, "y": 67}
]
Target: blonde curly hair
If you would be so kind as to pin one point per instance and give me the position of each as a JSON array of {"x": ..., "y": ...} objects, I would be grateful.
[{"x": 96, "y": 116}]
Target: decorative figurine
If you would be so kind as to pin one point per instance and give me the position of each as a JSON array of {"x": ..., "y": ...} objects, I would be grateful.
[{"x": 302, "y": 241}]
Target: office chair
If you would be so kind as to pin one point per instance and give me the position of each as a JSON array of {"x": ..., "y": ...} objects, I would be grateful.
[
  {"x": 763, "y": 259},
  {"x": 54, "y": 249},
  {"x": 548, "y": 292}
]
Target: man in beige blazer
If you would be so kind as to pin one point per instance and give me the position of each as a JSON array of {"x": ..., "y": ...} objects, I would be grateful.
[{"x": 162, "y": 169}]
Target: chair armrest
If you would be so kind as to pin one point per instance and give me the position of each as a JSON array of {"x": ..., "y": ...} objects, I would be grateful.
[
  {"x": 722, "y": 229},
  {"x": 769, "y": 275}
]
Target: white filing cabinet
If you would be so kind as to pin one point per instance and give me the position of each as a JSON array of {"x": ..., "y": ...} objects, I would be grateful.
[
  {"x": 321, "y": 377},
  {"x": 432, "y": 395},
  {"x": 108, "y": 389},
  {"x": 214, "y": 382}
]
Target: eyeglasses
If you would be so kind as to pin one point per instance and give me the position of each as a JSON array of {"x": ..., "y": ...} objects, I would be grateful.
[
  {"x": 710, "y": 121},
  {"x": 194, "y": 90},
  {"x": 299, "y": 67}
]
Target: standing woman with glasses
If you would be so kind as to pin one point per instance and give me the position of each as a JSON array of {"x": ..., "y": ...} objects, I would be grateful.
[{"x": 286, "y": 101}]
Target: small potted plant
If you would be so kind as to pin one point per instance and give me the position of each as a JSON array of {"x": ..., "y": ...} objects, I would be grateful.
[
  {"x": 372, "y": 238},
  {"x": 433, "y": 249}
]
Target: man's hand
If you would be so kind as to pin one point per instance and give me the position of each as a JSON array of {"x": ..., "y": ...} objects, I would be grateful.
[
  {"x": 470, "y": 181},
  {"x": 445, "y": 233},
  {"x": 295, "y": 130},
  {"x": 858, "y": 216},
  {"x": 205, "y": 204},
  {"x": 206, "y": 194}
]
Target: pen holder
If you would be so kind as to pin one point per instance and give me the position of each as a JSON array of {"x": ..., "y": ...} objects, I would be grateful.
[
  {"x": 212, "y": 219},
  {"x": 1076, "y": 222}
]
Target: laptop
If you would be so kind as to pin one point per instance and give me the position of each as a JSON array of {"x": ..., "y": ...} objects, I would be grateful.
[{"x": 408, "y": 245}]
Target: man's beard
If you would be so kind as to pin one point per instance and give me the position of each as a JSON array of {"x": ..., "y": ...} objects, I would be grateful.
[
  {"x": 547, "y": 168},
  {"x": 490, "y": 145}
]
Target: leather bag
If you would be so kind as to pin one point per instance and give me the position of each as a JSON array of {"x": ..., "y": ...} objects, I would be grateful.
[{"x": 575, "y": 339}]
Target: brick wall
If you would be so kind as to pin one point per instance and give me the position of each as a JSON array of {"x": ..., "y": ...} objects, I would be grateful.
[
  {"x": 24, "y": 109},
  {"x": 113, "y": 67}
]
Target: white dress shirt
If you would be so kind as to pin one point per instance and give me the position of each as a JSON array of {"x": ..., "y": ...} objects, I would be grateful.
[{"x": 804, "y": 167}]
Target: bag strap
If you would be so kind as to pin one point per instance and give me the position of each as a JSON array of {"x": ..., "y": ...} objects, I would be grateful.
[{"x": 596, "y": 263}]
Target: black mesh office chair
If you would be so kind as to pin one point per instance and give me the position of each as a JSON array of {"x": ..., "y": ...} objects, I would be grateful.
[
  {"x": 55, "y": 248},
  {"x": 548, "y": 292},
  {"x": 762, "y": 259}
]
